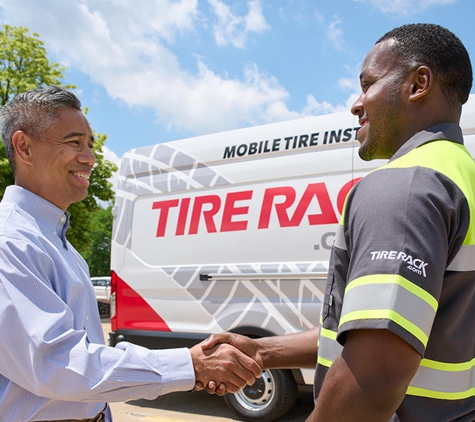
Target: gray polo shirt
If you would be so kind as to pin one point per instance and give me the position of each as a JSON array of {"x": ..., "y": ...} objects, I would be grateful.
[{"x": 404, "y": 260}]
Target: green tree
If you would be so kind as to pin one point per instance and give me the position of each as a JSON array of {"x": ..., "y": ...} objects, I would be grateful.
[
  {"x": 24, "y": 65},
  {"x": 98, "y": 253}
]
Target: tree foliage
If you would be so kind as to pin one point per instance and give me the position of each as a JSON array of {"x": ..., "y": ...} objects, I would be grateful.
[
  {"x": 97, "y": 254},
  {"x": 24, "y": 65}
]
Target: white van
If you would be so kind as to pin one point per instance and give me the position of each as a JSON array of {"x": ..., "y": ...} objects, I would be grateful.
[{"x": 232, "y": 232}]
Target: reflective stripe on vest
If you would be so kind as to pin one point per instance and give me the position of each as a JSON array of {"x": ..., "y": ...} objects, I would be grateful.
[
  {"x": 455, "y": 169},
  {"x": 448, "y": 381},
  {"x": 437, "y": 380},
  {"x": 464, "y": 260},
  {"x": 328, "y": 347},
  {"x": 390, "y": 296},
  {"x": 339, "y": 241}
]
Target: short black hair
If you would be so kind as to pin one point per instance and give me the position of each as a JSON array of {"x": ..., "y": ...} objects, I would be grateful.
[{"x": 439, "y": 49}]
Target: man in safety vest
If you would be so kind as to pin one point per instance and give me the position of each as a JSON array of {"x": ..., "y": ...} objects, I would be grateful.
[{"x": 397, "y": 333}]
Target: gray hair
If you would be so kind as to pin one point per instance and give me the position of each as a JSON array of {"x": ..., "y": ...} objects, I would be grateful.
[{"x": 33, "y": 112}]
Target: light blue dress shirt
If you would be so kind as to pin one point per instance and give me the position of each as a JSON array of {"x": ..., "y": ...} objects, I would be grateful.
[{"x": 53, "y": 361}]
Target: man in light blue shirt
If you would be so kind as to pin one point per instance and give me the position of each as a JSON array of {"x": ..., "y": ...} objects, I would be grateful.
[{"x": 54, "y": 364}]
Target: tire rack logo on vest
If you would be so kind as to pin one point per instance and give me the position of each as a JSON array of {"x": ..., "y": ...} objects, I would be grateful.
[{"x": 415, "y": 265}]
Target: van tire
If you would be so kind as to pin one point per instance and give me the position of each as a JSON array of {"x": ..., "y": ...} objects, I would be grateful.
[{"x": 268, "y": 399}]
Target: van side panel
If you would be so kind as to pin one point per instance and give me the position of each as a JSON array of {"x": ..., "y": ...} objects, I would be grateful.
[{"x": 231, "y": 230}]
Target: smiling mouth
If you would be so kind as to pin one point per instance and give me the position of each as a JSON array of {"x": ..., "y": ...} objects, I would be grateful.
[
  {"x": 362, "y": 130},
  {"x": 84, "y": 176}
]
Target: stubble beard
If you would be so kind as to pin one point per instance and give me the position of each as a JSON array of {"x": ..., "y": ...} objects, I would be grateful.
[{"x": 367, "y": 149}]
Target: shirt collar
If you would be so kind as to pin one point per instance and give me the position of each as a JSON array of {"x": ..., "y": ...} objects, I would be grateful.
[
  {"x": 448, "y": 131},
  {"x": 48, "y": 216}
]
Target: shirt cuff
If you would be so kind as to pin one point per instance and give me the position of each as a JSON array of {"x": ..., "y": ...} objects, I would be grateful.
[{"x": 178, "y": 373}]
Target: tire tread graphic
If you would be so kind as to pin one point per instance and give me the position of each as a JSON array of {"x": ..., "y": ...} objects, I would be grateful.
[{"x": 277, "y": 306}]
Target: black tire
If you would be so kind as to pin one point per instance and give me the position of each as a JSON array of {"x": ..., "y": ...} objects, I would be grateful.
[{"x": 267, "y": 400}]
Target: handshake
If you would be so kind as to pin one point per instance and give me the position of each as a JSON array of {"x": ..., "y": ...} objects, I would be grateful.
[{"x": 226, "y": 363}]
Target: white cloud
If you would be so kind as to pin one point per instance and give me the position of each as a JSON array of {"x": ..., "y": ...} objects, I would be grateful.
[
  {"x": 333, "y": 27},
  {"x": 224, "y": 103},
  {"x": 233, "y": 29},
  {"x": 125, "y": 49},
  {"x": 404, "y": 7},
  {"x": 313, "y": 107},
  {"x": 335, "y": 33},
  {"x": 319, "y": 17},
  {"x": 129, "y": 51},
  {"x": 112, "y": 157},
  {"x": 350, "y": 84}
]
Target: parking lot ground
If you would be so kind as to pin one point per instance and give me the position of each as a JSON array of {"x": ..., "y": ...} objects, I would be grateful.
[{"x": 193, "y": 407}]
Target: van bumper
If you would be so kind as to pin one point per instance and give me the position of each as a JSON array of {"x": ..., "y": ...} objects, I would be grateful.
[{"x": 156, "y": 339}]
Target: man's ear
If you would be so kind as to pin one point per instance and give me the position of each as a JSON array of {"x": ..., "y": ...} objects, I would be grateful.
[
  {"x": 21, "y": 143},
  {"x": 421, "y": 82}
]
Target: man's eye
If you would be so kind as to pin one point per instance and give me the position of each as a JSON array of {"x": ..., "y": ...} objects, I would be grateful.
[{"x": 365, "y": 86}]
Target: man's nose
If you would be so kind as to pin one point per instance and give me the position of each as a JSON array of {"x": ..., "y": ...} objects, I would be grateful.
[
  {"x": 357, "y": 108},
  {"x": 87, "y": 156}
]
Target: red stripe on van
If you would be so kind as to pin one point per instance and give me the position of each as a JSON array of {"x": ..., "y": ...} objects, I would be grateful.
[{"x": 133, "y": 312}]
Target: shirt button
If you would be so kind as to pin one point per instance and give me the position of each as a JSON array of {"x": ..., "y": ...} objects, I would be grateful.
[{"x": 63, "y": 219}]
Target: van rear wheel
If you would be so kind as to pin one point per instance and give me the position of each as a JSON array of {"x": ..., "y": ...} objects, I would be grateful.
[{"x": 268, "y": 399}]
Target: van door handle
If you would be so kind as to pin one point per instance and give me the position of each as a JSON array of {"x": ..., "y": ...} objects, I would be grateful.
[{"x": 259, "y": 276}]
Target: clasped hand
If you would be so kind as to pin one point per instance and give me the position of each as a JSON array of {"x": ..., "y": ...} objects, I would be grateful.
[{"x": 226, "y": 363}]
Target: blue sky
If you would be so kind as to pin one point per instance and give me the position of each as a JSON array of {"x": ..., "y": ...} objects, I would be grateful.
[{"x": 157, "y": 70}]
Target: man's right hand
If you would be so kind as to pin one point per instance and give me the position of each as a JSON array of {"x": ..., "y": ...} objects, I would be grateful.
[
  {"x": 223, "y": 364},
  {"x": 246, "y": 345}
]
